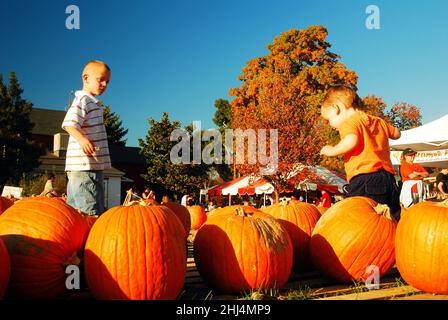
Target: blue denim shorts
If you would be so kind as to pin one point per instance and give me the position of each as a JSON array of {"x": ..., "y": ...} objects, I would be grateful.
[{"x": 85, "y": 191}]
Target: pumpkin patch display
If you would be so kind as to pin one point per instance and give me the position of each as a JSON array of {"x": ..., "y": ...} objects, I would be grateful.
[
  {"x": 197, "y": 215},
  {"x": 352, "y": 238},
  {"x": 241, "y": 248},
  {"x": 421, "y": 246},
  {"x": 299, "y": 219},
  {"x": 43, "y": 236},
  {"x": 4, "y": 268},
  {"x": 136, "y": 252}
]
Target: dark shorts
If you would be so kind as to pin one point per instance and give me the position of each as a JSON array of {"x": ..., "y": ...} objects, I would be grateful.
[{"x": 379, "y": 186}]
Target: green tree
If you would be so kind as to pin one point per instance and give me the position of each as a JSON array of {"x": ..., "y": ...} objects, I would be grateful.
[
  {"x": 156, "y": 148},
  {"x": 18, "y": 154},
  {"x": 223, "y": 119},
  {"x": 114, "y": 128},
  {"x": 223, "y": 113}
]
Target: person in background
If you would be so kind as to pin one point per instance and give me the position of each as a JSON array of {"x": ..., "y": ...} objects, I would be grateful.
[
  {"x": 325, "y": 200},
  {"x": 148, "y": 194},
  {"x": 211, "y": 206},
  {"x": 49, "y": 190},
  {"x": 184, "y": 200},
  {"x": 412, "y": 175},
  {"x": 442, "y": 183}
]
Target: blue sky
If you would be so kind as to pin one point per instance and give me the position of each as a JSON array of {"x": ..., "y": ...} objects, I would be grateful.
[{"x": 180, "y": 56}]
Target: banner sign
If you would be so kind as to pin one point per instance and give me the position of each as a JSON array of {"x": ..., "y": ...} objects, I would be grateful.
[
  {"x": 12, "y": 191},
  {"x": 422, "y": 156}
]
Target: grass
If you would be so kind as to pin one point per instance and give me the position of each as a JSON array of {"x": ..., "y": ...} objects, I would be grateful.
[
  {"x": 304, "y": 293},
  {"x": 261, "y": 294}
]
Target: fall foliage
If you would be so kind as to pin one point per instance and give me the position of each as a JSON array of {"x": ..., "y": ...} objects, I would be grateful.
[
  {"x": 283, "y": 91},
  {"x": 405, "y": 116}
]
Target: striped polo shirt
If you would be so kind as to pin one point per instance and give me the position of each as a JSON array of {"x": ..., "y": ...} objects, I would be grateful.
[{"x": 86, "y": 114}]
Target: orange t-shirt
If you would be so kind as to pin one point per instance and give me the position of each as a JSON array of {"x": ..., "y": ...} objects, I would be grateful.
[
  {"x": 406, "y": 169},
  {"x": 372, "y": 152}
]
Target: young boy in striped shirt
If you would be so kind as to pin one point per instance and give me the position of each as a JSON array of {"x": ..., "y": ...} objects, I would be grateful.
[{"x": 88, "y": 150}]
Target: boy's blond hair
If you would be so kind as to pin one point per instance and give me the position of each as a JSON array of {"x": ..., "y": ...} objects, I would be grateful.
[
  {"x": 343, "y": 94},
  {"x": 94, "y": 63}
]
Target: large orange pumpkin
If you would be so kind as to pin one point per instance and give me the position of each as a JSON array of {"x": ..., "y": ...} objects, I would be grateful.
[
  {"x": 4, "y": 268},
  {"x": 240, "y": 248},
  {"x": 5, "y": 203},
  {"x": 198, "y": 216},
  {"x": 181, "y": 212},
  {"x": 43, "y": 236},
  {"x": 136, "y": 252},
  {"x": 299, "y": 219},
  {"x": 353, "y": 238},
  {"x": 421, "y": 245}
]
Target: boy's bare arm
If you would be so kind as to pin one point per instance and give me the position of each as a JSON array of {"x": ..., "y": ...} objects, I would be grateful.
[
  {"x": 397, "y": 134},
  {"x": 419, "y": 174},
  {"x": 345, "y": 145},
  {"x": 85, "y": 144}
]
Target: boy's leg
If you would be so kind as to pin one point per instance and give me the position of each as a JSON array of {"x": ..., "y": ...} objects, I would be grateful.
[{"x": 85, "y": 191}]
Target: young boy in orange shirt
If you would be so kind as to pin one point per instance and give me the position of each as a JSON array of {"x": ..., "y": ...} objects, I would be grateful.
[{"x": 365, "y": 146}]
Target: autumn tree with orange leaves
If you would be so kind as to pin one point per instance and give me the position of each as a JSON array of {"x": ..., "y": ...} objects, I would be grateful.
[
  {"x": 283, "y": 90},
  {"x": 405, "y": 116},
  {"x": 402, "y": 115}
]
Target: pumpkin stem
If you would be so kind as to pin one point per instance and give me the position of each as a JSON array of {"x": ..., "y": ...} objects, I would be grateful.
[
  {"x": 284, "y": 203},
  {"x": 444, "y": 203},
  {"x": 73, "y": 260},
  {"x": 137, "y": 203},
  {"x": 240, "y": 212},
  {"x": 384, "y": 210}
]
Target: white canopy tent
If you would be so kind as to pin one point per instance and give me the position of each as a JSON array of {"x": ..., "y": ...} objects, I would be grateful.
[{"x": 429, "y": 140}]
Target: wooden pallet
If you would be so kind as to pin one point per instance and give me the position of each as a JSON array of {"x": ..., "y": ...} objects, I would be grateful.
[{"x": 311, "y": 285}]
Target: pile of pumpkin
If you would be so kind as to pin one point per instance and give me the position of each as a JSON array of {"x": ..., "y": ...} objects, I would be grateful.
[{"x": 139, "y": 251}]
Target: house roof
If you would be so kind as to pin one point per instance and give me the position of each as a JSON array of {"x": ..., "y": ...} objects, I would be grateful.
[
  {"x": 129, "y": 155},
  {"x": 46, "y": 121},
  {"x": 52, "y": 163}
]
